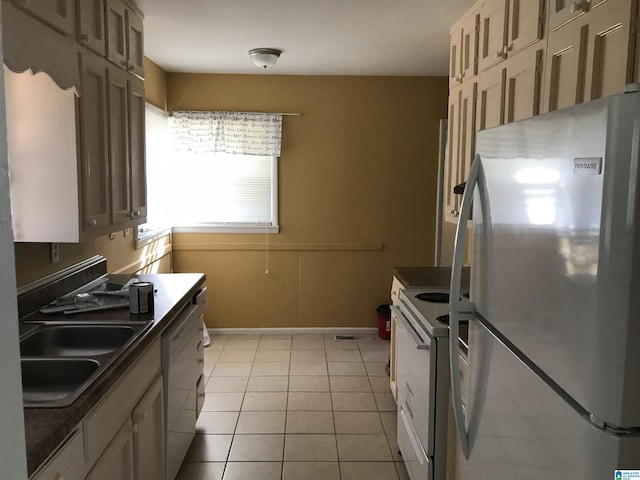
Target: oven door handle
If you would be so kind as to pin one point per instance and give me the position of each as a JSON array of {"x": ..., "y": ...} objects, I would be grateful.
[{"x": 420, "y": 344}]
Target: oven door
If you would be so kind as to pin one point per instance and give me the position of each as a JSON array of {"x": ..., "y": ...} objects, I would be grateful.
[{"x": 416, "y": 377}]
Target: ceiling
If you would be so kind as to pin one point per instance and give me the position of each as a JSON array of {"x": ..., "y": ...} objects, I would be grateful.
[{"x": 317, "y": 37}]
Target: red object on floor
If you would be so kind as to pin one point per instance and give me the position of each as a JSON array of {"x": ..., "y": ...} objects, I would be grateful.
[{"x": 384, "y": 322}]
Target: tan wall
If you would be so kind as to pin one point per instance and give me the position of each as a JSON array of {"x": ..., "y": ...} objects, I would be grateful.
[
  {"x": 357, "y": 191},
  {"x": 155, "y": 84},
  {"x": 32, "y": 259}
]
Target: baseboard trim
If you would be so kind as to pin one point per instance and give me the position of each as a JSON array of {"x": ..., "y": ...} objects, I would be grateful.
[{"x": 293, "y": 331}]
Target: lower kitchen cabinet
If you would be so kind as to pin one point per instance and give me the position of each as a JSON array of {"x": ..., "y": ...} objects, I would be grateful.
[
  {"x": 123, "y": 437},
  {"x": 396, "y": 287},
  {"x": 117, "y": 460},
  {"x": 137, "y": 450},
  {"x": 67, "y": 463},
  {"x": 393, "y": 354}
]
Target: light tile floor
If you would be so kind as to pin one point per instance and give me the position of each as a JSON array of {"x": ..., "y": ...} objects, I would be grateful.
[{"x": 295, "y": 407}]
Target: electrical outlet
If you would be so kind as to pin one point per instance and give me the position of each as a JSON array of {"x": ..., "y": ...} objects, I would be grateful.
[
  {"x": 54, "y": 252},
  {"x": 112, "y": 236},
  {"x": 127, "y": 232}
]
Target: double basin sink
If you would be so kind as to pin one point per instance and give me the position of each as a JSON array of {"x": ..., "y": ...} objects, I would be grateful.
[{"x": 61, "y": 360}]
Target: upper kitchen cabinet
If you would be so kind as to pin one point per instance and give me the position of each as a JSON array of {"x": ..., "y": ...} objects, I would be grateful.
[
  {"x": 57, "y": 14},
  {"x": 490, "y": 108},
  {"x": 104, "y": 178},
  {"x": 90, "y": 14},
  {"x": 94, "y": 149},
  {"x": 507, "y": 27},
  {"x": 124, "y": 37},
  {"x": 493, "y": 33},
  {"x": 565, "y": 68},
  {"x": 523, "y": 86},
  {"x": 464, "y": 48},
  {"x": 593, "y": 56},
  {"x": 112, "y": 153},
  {"x": 137, "y": 159},
  {"x": 126, "y": 146},
  {"x": 610, "y": 47},
  {"x": 526, "y": 24},
  {"x": 461, "y": 145},
  {"x": 29, "y": 43},
  {"x": 562, "y": 12}
]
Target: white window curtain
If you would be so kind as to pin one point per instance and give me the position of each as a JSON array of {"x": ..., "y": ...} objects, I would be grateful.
[{"x": 242, "y": 133}]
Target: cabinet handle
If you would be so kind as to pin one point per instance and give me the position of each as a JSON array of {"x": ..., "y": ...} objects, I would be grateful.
[
  {"x": 135, "y": 428},
  {"x": 500, "y": 53},
  {"x": 576, "y": 6},
  {"x": 93, "y": 222},
  {"x": 84, "y": 37}
]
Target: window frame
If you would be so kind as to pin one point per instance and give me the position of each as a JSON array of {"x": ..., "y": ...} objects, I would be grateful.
[
  {"x": 145, "y": 235},
  {"x": 228, "y": 227}
]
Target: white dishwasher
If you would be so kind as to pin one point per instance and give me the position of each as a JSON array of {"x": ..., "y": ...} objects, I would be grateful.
[{"x": 182, "y": 371}]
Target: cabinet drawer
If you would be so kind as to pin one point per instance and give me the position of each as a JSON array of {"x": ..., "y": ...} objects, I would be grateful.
[
  {"x": 413, "y": 454},
  {"x": 67, "y": 463},
  {"x": 102, "y": 424}
]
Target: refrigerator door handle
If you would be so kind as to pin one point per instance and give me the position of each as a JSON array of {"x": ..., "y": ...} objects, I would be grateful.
[{"x": 460, "y": 307}]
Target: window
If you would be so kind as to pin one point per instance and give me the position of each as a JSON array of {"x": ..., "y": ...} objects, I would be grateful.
[
  {"x": 157, "y": 146},
  {"x": 205, "y": 191},
  {"x": 223, "y": 192}
]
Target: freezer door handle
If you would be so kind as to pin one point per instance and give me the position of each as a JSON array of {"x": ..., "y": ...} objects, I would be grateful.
[{"x": 461, "y": 308}]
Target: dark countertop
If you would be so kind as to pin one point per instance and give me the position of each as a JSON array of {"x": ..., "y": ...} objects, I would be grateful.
[
  {"x": 413, "y": 277},
  {"x": 46, "y": 428}
]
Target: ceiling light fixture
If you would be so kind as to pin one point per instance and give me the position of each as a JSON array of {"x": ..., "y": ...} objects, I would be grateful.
[{"x": 264, "y": 57}]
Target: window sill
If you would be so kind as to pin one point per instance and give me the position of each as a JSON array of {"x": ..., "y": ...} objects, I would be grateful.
[
  {"x": 151, "y": 236},
  {"x": 203, "y": 228}
]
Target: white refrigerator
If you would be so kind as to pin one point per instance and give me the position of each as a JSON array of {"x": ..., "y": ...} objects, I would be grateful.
[{"x": 553, "y": 390}]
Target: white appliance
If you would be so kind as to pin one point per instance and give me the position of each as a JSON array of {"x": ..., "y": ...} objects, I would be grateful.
[
  {"x": 422, "y": 377},
  {"x": 554, "y": 309},
  {"x": 183, "y": 380}
]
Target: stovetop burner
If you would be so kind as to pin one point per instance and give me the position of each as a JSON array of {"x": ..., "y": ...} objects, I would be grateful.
[{"x": 435, "y": 297}]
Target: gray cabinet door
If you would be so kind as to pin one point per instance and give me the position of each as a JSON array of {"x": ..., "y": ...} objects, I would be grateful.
[{"x": 93, "y": 142}]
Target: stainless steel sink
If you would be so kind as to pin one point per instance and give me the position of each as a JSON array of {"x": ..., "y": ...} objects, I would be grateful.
[
  {"x": 76, "y": 340},
  {"x": 61, "y": 360},
  {"x": 55, "y": 381}
]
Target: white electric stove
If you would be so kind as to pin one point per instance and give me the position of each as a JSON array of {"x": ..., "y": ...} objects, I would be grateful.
[{"x": 422, "y": 378}]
